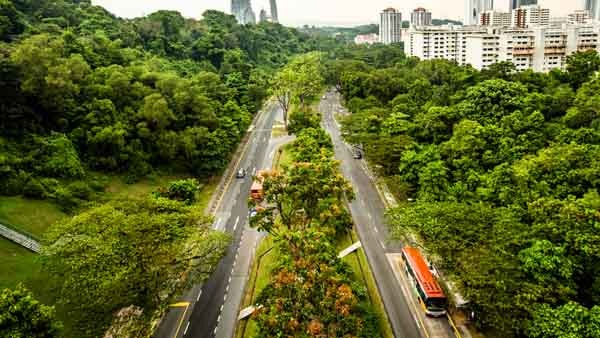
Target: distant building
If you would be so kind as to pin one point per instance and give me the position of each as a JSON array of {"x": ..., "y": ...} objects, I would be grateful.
[
  {"x": 420, "y": 17},
  {"x": 263, "y": 16},
  {"x": 495, "y": 18},
  {"x": 440, "y": 42},
  {"x": 390, "y": 26},
  {"x": 514, "y": 4},
  {"x": 579, "y": 17},
  {"x": 474, "y": 8},
  {"x": 366, "y": 39},
  {"x": 528, "y": 16},
  {"x": 593, "y": 6},
  {"x": 274, "y": 11},
  {"x": 541, "y": 48},
  {"x": 242, "y": 10}
]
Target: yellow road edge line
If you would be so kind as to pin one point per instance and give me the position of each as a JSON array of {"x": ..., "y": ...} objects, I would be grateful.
[
  {"x": 451, "y": 321},
  {"x": 181, "y": 321},
  {"x": 181, "y": 304}
]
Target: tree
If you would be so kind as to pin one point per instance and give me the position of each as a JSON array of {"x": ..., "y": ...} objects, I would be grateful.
[
  {"x": 581, "y": 66},
  {"x": 310, "y": 295},
  {"x": 294, "y": 203},
  {"x": 567, "y": 321},
  {"x": 282, "y": 88},
  {"x": 24, "y": 317},
  {"x": 131, "y": 252}
]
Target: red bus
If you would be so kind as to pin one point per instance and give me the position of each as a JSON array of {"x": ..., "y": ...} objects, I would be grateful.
[
  {"x": 256, "y": 191},
  {"x": 430, "y": 293}
]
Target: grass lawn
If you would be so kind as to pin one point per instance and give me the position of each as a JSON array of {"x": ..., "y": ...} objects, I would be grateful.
[
  {"x": 118, "y": 188},
  {"x": 18, "y": 265},
  {"x": 259, "y": 279},
  {"x": 31, "y": 216}
]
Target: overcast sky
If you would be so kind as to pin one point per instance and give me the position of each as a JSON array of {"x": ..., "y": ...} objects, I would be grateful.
[{"x": 320, "y": 12}]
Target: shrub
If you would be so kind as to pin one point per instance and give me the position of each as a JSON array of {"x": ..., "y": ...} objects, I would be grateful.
[
  {"x": 65, "y": 199},
  {"x": 80, "y": 189},
  {"x": 182, "y": 190},
  {"x": 34, "y": 189}
]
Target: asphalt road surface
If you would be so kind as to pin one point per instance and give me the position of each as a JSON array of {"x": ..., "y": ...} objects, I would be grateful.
[
  {"x": 368, "y": 212},
  {"x": 201, "y": 313}
]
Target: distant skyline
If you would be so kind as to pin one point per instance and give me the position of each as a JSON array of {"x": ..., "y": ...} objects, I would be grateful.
[{"x": 321, "y": 12}]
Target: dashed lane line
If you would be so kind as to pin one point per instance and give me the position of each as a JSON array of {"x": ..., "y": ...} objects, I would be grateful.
[
  {"x": 186, "y": 328},
  {"x": 237, "y": 220}
]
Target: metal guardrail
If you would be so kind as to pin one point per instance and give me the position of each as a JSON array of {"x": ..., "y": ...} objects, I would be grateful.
[{"x": 21, "y": 239}]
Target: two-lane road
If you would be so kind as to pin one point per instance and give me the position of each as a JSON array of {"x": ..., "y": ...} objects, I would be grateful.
[
  {"x": 209, "y": 310},
  {"x": 368, "y": 211}
]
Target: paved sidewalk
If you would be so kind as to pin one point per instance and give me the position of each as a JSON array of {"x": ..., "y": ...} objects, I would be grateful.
[{"x": 19, "y": 238}]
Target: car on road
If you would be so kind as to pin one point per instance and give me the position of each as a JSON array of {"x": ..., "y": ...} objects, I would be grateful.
[
  {"x": 241, "y": 173},
  {"x": 357, "y": 155}
]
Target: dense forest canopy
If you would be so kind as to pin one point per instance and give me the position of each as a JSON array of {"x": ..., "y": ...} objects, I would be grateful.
[
  {"x": 504, "y": 170},
  {"x": 86, "y": 96},
  {"x": 81, "y": 90}
]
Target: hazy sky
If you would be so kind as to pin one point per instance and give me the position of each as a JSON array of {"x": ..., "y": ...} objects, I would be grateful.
[{"x": 320, "y": 12}]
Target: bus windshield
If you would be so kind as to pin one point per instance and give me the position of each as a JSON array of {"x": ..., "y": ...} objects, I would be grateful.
[{"x": 436, "y": 304}]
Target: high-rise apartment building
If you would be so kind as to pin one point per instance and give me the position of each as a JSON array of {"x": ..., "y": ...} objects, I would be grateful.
[
  {"x": 579, "y": 17},
  {"x": 242, "y": 10},
  {"x": 440, "y": 42},
  {"x": 274, "y": 12},
  {"x": 420, "y": 17},
  {"x": 514, "y": 4},
  {"x": 474, "y": 8},
  {"x": 495, "y": 18},
  {"x": 593, "y": 6},
  {"x": 390, "y": 26},
  {"x": 532, "y": 15},
  {"x": 541, "y": 48}
]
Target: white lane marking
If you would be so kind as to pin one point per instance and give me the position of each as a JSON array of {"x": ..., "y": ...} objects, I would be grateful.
[
  {"x": 215, "y": 331},
  {"x": 199, "y": 294},
  {"x": 253, "y": 171},
  {"x": 375, "y": 228},
  {"x": 272, "y": 154},
  {"x": 186, "y": 328},
  {"x": 237, "y": 220},
  {"x": 382, "y": 245}
]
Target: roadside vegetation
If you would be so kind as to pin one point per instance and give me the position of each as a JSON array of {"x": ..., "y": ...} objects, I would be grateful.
[
  {"x": 309, "y": 291},
  {"x": 103, "y": 121},
  {"x": 503, "y": 169}
]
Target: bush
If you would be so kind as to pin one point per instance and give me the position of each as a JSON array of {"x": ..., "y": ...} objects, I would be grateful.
[
  {"x": 65, "y": 199},
  {"x": 57, "y": 157},
  {"x": 182, "y": 190},
  {"x": 34, "y": 189},
  {"x": 80, "y": 190}
]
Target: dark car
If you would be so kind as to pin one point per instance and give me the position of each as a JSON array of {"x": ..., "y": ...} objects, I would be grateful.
[
  {"x": 241, "y": 173},
  {"x": 357, "y": 155}
]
